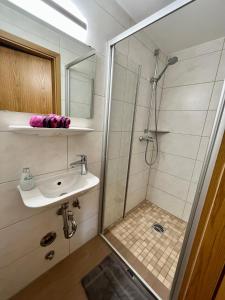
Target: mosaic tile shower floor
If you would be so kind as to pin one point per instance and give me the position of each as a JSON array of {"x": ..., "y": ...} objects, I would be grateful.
[{"x": 158, "y": 252}]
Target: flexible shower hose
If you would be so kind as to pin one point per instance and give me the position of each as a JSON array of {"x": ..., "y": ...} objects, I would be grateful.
[{"x": 154, "y": 87}]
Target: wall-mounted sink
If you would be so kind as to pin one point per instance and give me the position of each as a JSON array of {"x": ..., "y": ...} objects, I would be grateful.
[{"x": 58, "y": 187}]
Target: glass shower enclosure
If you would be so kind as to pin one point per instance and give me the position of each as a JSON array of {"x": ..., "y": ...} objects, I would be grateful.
[{"x": 163, "y": 121}]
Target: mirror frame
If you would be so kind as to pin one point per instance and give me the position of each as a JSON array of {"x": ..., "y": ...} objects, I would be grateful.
[{"x": 67, "y": 82}]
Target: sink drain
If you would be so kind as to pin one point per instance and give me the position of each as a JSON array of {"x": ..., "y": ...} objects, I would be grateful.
[{"x": 158, "y": 227}]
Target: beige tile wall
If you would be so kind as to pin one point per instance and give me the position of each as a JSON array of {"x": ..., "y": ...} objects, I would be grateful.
[
  {"x": 190, "y": 96},
  {"x": 21, "y": 228}
]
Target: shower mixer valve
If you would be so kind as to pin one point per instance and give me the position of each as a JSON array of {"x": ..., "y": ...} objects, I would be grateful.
[{"x": 146, "y": 138}]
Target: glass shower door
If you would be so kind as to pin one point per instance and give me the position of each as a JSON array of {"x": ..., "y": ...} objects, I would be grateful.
[{"x": 124, "y": 90}]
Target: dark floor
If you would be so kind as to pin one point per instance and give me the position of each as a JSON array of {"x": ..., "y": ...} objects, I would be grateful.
[{"x": 63, "y": 280}]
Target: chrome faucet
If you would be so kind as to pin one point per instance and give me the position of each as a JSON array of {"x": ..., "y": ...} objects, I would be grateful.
[{"x": 82, "y": 162}]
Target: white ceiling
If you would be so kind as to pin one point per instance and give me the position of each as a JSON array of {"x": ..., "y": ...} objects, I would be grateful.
[
  {"x": 140, "y": 9},
  {"x": 198, "y": 22}
]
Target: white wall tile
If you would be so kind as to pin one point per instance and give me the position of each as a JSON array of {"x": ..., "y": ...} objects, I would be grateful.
[
  {"x": 118, "y": 86},
  {"x": 203, "y": 148},
  {"x": 95, "y": 168},
  {"x": 116, "y": 115},
  {"x": 187, "y": 212},
  {"x": 89, "y": 204},
  {"x": 85, "y": 231},
  {"x": 144, "y": 93},
  {"x": 100, "y": 75},
  {"x": 141, "y": 118},
  {"x": 192, "y": 71},
  {"x": 131, "y": 86},
  {"x": 29, "y": 267},
  {"x": 127, "y": 118},
  {"x": 114, "y": 202},
  {"x": 197, "y": 171},
  {"x": 135, "y": 198},
  {"x": 113, "y": 168},
  {"x": 89, "y": 144},
  {"x": 120, "y": 58},
  {"x": 11, "y": 205},
  {"x": 216, "y": 95},
  {"x": 191, "y": 192},
  {"x": 144, "y": 38},
  {"x": 165, "y": 201},
  {"x": 138, "y": 181},
  {"x": 209, "y": 123},
  {"x": 180, "y": 144},
  {"x": 40, "y": 154},
  {"x": 190, "y": 97},
  {"x": 123, "y": 46},
  {"x": 175, "y": 165},
  {"x": 137, "y": 163},
  {"x": 98, "y": 113},
  {"x": 201, "y": 49},
  {"x": 29, "y": 233},
  {"x": 125, "y": 143},
  {"x": 221, "y": 70},
  {"x": 114, "y": 144},
  {"x": 171, "y": 184},
  {"x": 141, "y": 56},
  {"x": 186, "y": 122},
  {"x": 138, "y": 147}
]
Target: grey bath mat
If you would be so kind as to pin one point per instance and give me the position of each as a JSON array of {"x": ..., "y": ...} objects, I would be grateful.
[{"x": 110, "y": 280}]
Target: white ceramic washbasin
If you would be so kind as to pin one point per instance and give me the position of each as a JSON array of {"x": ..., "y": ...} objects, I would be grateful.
[{"x": 49, "y": 190}]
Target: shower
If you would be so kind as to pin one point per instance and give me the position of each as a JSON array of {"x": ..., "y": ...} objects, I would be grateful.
[
  {"x": 154, "y": 81},
  {"x": 171, "y": 61}
]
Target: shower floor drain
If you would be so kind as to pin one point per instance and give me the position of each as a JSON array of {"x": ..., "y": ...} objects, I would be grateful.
[{"x": 158, "y": 227}]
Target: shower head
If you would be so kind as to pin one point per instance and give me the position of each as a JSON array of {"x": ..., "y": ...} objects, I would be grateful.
[{"x": 171, "y": 61}]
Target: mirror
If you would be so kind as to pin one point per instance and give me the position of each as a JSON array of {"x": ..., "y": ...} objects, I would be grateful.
[
  {"x": 40, "y": 87},
  {"x": 80, "y": 78}
]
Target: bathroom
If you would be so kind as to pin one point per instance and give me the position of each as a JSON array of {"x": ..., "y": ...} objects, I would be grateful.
[{"x": 143, "y": 90}]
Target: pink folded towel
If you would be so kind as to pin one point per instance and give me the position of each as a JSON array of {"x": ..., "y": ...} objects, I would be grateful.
[
  {"x": 62, "y": 122},
  {"x": 50, "y": 121},
  {"x": 37, "y": 121}
]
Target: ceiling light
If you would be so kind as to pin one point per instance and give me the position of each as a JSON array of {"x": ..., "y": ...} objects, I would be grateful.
[{"x": 66, "y": 17}]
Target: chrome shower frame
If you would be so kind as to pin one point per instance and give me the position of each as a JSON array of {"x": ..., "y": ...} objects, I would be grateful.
[{"x": 207, "y": 169}]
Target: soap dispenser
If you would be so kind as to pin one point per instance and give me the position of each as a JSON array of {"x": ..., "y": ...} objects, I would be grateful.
[{"x": 26, "y": 180}]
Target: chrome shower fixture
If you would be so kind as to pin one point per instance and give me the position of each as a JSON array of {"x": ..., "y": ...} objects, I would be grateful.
[{"x": 171, "y": 61}]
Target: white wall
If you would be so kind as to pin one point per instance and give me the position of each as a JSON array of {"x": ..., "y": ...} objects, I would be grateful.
[
  {"x": 191, "y": 92},
  {"x": 21, "y": 228}
]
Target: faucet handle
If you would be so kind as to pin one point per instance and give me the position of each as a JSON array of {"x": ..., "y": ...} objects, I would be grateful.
[{"x": 83, "y": 157}]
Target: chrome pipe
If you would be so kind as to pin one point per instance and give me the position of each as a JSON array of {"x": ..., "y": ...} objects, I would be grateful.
[{"x": 69, "y": 223}]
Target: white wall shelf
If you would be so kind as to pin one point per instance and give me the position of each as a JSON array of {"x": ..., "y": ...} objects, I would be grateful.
[{"x": 22, "y": 129}]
